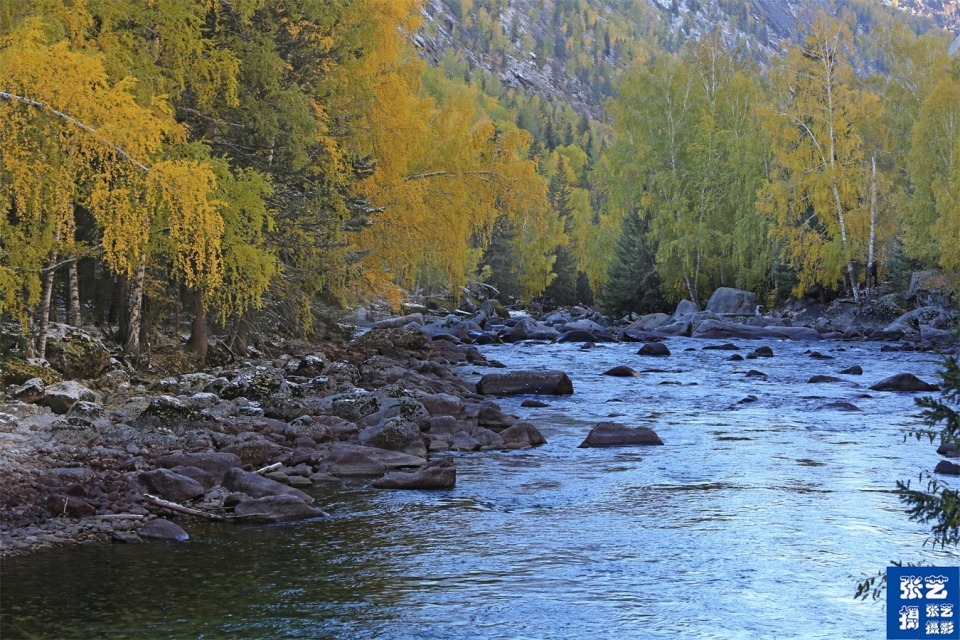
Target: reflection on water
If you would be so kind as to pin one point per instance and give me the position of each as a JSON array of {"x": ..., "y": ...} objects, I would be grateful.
[{"x": 754, "y": 521}]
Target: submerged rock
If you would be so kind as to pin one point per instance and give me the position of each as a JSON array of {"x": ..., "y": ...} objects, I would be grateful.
[
  {"x": 621, "y": 372},
  {"x": 523, "y": 382},
  {"x": 436, "y": 474},
  {"x": 615, "y": 434},
  {"x": 904, "y": 382},
  {"x": 275, "y": 508},
  {"x": 162, "y": 529},
  {"x": 654, "y": 349}
]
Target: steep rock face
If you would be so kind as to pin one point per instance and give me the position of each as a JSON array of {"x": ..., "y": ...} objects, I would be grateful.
[{"x": 519, "y": 42}]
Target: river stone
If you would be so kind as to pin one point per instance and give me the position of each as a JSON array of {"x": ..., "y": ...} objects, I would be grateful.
[
  {"x": 729, "y": 301},
  {"x": 395, "y": 434},
  {"x": 163, "y": 529},
  {"x": 816, "y": 355},
  {"x": 60, "y": 505},
  {"x": 257, "y": 486},
  {"x": 30, "y": 391},
  {"x": 442, "y": 404},
  {"x": 904, "y": 382},
  {"x": 614, "y": 434},
  {"x": 855, "y": 370},
  {"x": 654, "y": 349},
  {"x": 436, "y": 474},
  {"x": 62, "y": 395},
  {"x": 947, "y": 468},
  {"x": 727, "y": 346},
  {"x": 275, "y": 508},
  {"x": 256, "y": 450},
  {"x": 216, "y": 464},
  {"x": 525, "y": 382},
  {"x": 534, "y": 404},
  {"x": 491, "y": 417},
  {"x": 621, "y": 371},
  {"x": 204, "y": 478},
  {"x": 840, "y": 406},
  {"x": 685, "y": 309},
  {"x": 463, "y": 441},
  {"x": 821, "y": 378},
  {"x": 578, "y": 336},
  {"x": 171, "y": 485},
  {"x": 762, "y": 352},
  {"x": 522, "y": 434},
  {"x": 347, "y": 454}
]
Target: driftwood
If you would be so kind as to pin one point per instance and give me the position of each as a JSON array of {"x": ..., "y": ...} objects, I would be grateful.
[
  {"x": 268, "y": 468},
  {"x": 179, "y": 508}
]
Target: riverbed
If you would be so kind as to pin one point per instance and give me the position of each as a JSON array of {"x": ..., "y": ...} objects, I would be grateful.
[{"x": 755, "y": 520}]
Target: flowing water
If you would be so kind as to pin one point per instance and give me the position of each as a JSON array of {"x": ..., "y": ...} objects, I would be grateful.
[{"x": 755, "y": 520}]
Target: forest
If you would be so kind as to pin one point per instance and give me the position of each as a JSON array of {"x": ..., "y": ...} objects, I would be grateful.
[{"x": 241, "y": 166}]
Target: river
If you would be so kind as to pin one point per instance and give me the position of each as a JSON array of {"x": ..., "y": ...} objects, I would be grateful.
[{"x": 755, "y": 520}]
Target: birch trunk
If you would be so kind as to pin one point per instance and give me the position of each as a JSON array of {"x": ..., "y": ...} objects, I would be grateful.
[{"x": 74, "y": 278}]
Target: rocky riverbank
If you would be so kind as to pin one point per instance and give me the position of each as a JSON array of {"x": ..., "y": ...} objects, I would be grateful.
[
  {"x": 112, "y": 458},
  {"x": 115, "y": 456}
]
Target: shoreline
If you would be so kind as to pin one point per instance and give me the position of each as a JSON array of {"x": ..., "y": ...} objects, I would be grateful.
[{"x": 385, "y": 408}]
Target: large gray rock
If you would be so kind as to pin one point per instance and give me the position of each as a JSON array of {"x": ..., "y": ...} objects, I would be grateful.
[
  {"x": 729, "y": 301},
  {"x": 170, "y": 485},
  {"x": 904, "y": 382},
  {"x": 914, "y": 322},
  {"x": 161, "y": 529},
  {"x": 256, "y": 450},
  {"x": 275, "y": 508},
  {"x": 257, "y": 486},
  {"x": 62, "y": 395},
  {"x": 399, "y": 321},
  {"x": 30, "y": 391},
  {"x": 685, "y": 309},
  {"x": 522, "y": 434},
  {"x": 168, "y": 412},
  {"x": 654, "y": 349},
  {"x": 357, "y": 460},
  {"x": 436, "y": 474},
  {"x": 650, "y": 322},
  {"x": 614, "y": 434},
  {"x": 525, "y": 382},
  {"x": 720, "y": 330},
  {"x": 216, "y": 464},
  {"x": 395, "y": 434},
  {"x": 75, "y": 353}
]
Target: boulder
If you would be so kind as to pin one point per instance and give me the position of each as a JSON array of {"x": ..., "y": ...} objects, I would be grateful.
[
  {"x": 75, "y": 353},
  {"x": 654, "y": 349},
  {"x": 62, "y": 395},
  {"x": 257, "y": 486},
  {"x": 205, "y": 478},
  {"x": 685, "y": 309},
  {"x": 840, "y": 406},
  {"x": 30, "y": 391},
  {"x": 162, "y": 529},
  {"x": 650, "y": 322},
  {"x": 855, "y": 370},
  {"x": 256, "y": 450},
  {"x": 522, "y": 434},
  {"x": 442, "y": 404},
  {"x": 578, "y": 335},
  {"x": 621, "y": 372},
  {"x": 914, "y": 322},
  {"x": 436, "y": 474},
  {"x": 904, "y": 382},
  {"x": 275, "y": 508},
  {"x": 822, "y": 378},
  {"x": 721, "y": 330},
  {"x": 534, "y": 404},
  {"x": 59, "y": 505},
  {"x": 729, "y": 301},
  {"x": 168, "y": 412},
  {"x": 463, "y": 441},
  {"x": 399, "y": 321},
  {"x": 727, "y": 346},
  {"x": 614, "y": 434},
  {"x": 525, "y": 382},
  {"x": 395, "y": 434},
  {"x": 947, "y": 468},
  {"x": 216, "y": 464},
  {"x": 492, "y": 417},
  {"x": 388, "y": 341},
  {"x": 171, "y": 485},
  {"x": 762, "y": 352}
]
